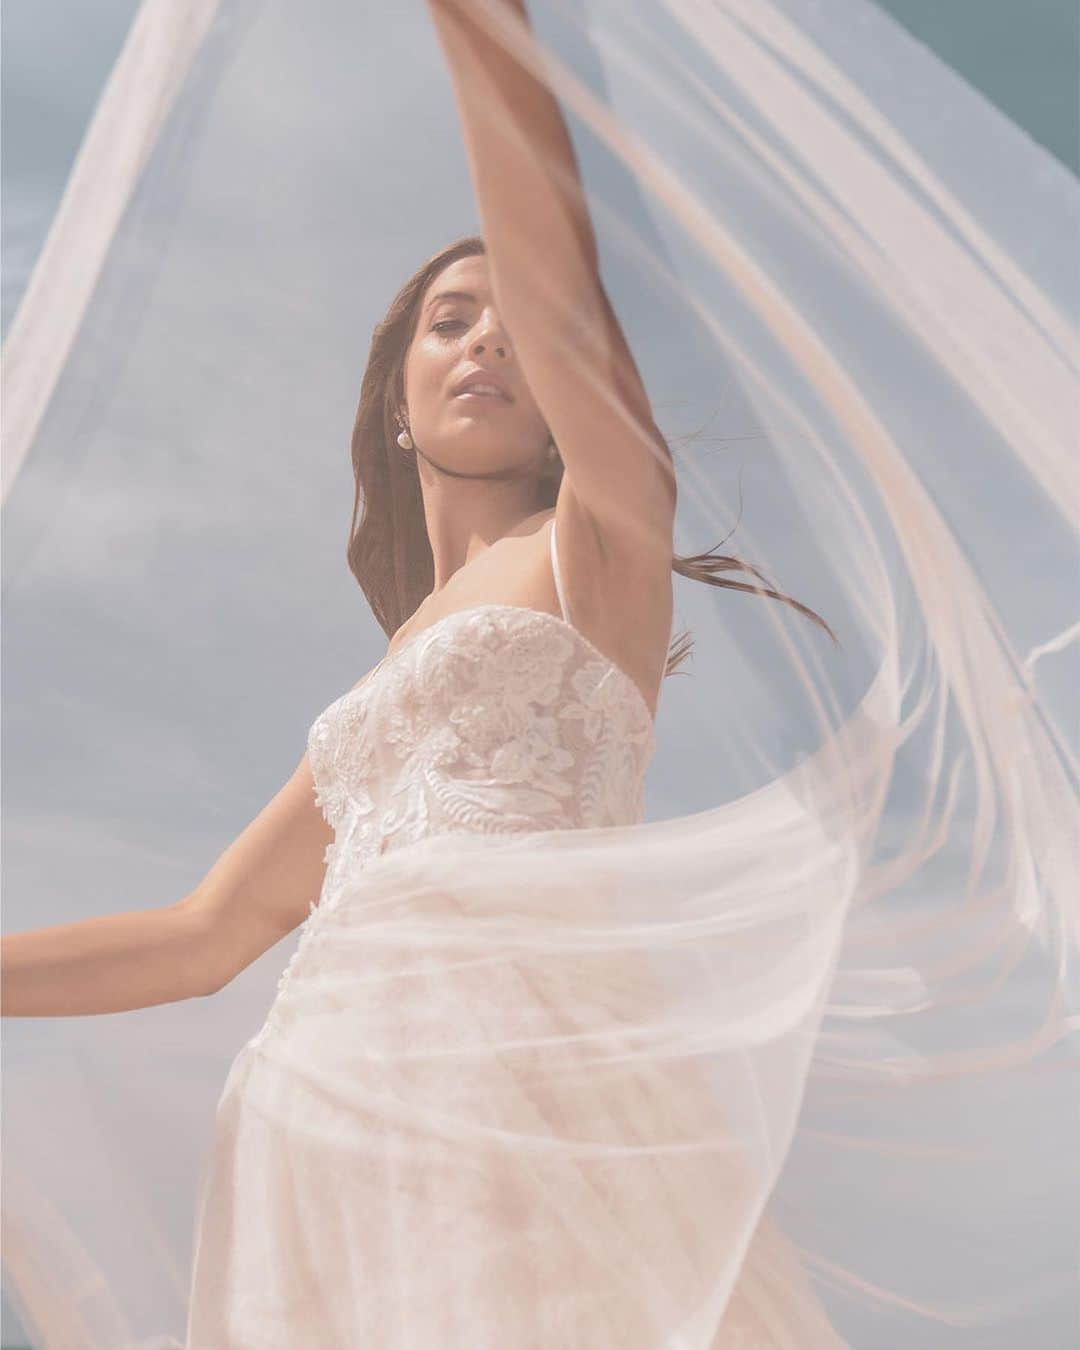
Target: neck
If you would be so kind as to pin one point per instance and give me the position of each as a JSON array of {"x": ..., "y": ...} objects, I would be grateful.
[{"x": 466, "y": 513}]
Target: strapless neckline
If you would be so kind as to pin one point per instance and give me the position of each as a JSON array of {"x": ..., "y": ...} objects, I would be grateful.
[{"x": 594, "y": 651}]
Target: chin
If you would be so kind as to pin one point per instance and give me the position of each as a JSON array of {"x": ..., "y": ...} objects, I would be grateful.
[{"x": 479, "y": 445}]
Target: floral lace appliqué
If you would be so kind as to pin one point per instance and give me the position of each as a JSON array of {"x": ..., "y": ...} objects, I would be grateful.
[{"x": 494, "y": 720}]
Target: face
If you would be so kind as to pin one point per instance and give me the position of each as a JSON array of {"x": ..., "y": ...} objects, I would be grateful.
[{"x": 460, "y": 340}]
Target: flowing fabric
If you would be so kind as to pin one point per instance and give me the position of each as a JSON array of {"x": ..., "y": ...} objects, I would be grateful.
[{"x": 753, "y": 1028}]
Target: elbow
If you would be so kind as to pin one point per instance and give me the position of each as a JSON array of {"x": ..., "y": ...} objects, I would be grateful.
[
  {"x": 206, "y": 968},
  {"x": 208, "y": 990}
]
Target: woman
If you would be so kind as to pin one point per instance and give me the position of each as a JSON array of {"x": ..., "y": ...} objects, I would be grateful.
[
  {"x": 516, "y": 695},
  {"x": 504, "y": 1096},
  {"x": 493, "y": 712}
]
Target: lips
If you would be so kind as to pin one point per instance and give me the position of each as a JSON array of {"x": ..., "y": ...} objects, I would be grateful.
[{"x": 479, "y": 384}]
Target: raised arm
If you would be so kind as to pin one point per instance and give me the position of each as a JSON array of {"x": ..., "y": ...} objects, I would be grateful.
[
  {"x": 258, "y": 891},
  {"x": 543, "y": 262}
]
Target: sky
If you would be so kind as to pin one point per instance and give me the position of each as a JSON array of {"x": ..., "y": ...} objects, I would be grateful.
[
  {"x": 56, "y": 54},
  {"x": 55, "y": 60}
]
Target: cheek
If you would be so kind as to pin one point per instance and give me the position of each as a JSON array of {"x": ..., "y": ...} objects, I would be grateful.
[
  {"x": 529, "y": 409},
  {"x": 533, "y": 418},
  {"x": 426, "y": 370}
]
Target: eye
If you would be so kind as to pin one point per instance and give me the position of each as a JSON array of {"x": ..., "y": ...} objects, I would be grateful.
[{"x": 445, "y": 324}]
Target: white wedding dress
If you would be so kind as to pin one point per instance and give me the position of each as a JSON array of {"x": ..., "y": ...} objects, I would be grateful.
[
  {"x": 368, "y": 1184},
  {"x": 541, "y": 1072}
]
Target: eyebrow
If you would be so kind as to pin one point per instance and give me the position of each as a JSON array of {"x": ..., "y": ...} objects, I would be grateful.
[{"x": 451, "y": 295}]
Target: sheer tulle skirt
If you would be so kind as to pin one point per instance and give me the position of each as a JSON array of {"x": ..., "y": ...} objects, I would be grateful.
[{"x": 439, "y": 1139}]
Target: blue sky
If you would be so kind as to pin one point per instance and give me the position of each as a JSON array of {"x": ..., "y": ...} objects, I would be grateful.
[{"x": 1023, "y": 54}]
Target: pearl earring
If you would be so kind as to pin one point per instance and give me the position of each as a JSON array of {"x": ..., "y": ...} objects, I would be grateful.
[{"x": 404, "y": 440}]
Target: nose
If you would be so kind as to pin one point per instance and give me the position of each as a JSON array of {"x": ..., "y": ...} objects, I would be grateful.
[{"x": 492, "y": 337}]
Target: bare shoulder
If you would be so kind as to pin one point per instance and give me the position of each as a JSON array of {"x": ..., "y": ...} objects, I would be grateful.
[{"x": 531, "y": 526}]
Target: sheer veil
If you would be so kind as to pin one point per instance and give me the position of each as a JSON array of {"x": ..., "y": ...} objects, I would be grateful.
[{"x": 850, "y": 284}]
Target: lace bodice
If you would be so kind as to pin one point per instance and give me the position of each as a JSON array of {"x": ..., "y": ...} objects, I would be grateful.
[{"x": 494, "y": 719}]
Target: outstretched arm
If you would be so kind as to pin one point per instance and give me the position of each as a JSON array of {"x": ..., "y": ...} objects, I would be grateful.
[
  {"x": 543, "y": 261},
  {"x": 259, "y": 890},
  {"x": 113, "y": 963}
]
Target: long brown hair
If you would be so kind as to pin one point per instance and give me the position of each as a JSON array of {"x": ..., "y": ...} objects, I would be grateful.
[{"x": 389, "y": 552}]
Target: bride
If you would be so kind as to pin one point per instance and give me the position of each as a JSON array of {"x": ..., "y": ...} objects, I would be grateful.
[
  {"x": 540, "y": 1072},
  {"x": 516, "y": 542}
]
